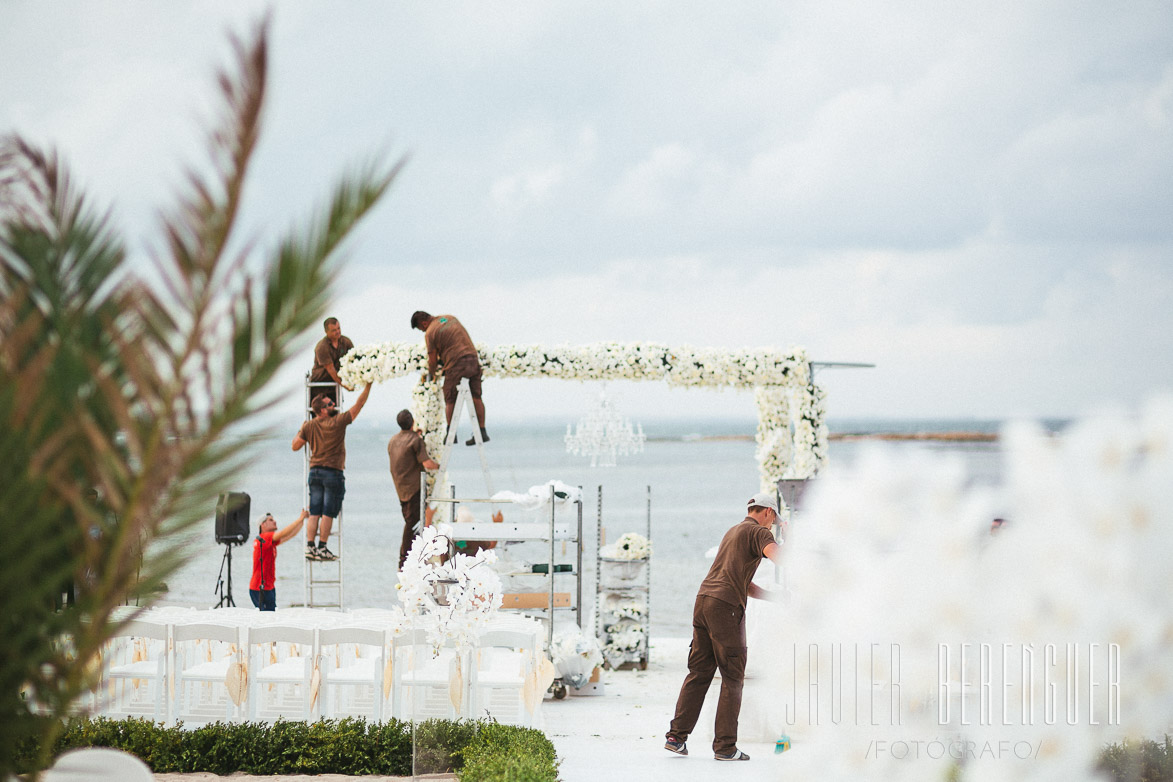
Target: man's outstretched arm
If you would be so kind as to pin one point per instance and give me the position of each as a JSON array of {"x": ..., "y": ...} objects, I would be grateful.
[{"x": 362, "y": 400}]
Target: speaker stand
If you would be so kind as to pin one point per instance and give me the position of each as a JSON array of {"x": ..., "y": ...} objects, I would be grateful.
[{"x": 224, "y": 591}]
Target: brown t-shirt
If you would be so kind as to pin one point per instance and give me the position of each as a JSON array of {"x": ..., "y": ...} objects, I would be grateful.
[
  {"x": 737, "y": 560},
  {"x": 406, "y": 452},
  {"x": 327, "y": 440},
  {"x": 326, "y": 355},
  {"x": 448, "y": 338}
]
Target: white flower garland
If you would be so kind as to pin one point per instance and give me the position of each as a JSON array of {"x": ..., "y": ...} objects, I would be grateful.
[
  {"x": 427, "y": 408},
  {"x": 791, "y": 440}
]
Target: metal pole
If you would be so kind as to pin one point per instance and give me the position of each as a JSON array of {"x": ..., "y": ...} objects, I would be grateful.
[
  {"x": 305, "y": 494},
  {"x": 599, "y": 564},
  {"x": 648, "y": 592},
  {"x": 778, "y": 531},
  {"x": 550, "y": 575},
  {"x": 578, "y": 565},
  {"x": 423, "y": 499}
]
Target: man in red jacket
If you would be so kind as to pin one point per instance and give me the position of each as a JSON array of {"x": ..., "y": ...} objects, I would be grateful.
[{"x": 263, "y": 587}]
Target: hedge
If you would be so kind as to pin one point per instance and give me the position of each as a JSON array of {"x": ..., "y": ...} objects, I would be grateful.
[
  {"x": 1138, "y": 761},
  {"x": 476, "y": 750}
]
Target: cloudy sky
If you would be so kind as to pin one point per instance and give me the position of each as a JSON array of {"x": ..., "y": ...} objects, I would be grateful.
[{"x": 977, "y": 198}]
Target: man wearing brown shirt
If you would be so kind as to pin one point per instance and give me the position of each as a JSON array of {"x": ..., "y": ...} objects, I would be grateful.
[
  {"x": 328, "y": 355},
  {"x": 450, "y": 347},
  {"x": 326, "y": 435},
  {"x": 408, "y": 457},
  {"x": 718, "y": 629}
]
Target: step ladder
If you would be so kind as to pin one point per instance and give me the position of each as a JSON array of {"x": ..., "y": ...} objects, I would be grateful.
[
  {"x": 321, "y": 581},
  {"x": 463, "y": 403}
]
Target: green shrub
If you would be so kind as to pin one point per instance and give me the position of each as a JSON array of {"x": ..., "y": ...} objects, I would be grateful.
[
  {"x": 1138, "y": 761},
  {"x": 478, "y": 750},
  {"x": 438, "y": 744},
  {"x": 502, "y": 752}
]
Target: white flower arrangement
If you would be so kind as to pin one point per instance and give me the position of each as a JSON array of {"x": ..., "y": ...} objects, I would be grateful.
[
  {"x": 618, "y": 608},
  {"x": 792, "y": 439},
  {"x": 473, "y": 592},
  {"x": 630, "y": 546},
  {"x": 575, "y": 655},
  {"x": 622, "y": 641}
]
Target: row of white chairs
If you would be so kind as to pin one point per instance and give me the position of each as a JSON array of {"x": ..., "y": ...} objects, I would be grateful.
[{"x": 180, "y": 665}]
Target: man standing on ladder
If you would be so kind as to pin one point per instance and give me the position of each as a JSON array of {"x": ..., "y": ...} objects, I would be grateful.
[
  {"x": 328, "y": 354},
  {"x": 326, "y": 435},
  {"x": 450, "y": 347}
]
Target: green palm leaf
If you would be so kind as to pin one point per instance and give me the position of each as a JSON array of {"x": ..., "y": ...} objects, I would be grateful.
[{"x": 115, "y": 393}]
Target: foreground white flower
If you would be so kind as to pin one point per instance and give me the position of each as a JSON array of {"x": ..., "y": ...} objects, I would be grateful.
[
  {"x": 1065, "y": 616},
  {"x": 473, "y": 590}
]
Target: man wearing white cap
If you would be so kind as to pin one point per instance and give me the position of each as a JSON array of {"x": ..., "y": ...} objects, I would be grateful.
[{"x": 718, "y": 629}]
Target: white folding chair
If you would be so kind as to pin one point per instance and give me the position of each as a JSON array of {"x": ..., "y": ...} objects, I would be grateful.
[
  {"x": 370, "y": 616},
  {"x": 281, "y": 667},
  {"x": 424, "y": 685},
  {"x": 352, "y": 660},
  {"x": 203, "y": 652},
  {"x": 497, "y": 682},
  {"x": 137, "y": 654}
]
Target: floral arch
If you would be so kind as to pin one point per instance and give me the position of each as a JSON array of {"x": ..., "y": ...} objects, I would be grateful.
[{"x": 791, "y": 436}]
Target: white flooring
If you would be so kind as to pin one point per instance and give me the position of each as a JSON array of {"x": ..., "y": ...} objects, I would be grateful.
[{"x": 620, "y": 735}]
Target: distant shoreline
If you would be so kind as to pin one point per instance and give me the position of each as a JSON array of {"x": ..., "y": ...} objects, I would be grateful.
[
  {"x": 950, "y": 437},
  {"x": 945, "y": 437}
]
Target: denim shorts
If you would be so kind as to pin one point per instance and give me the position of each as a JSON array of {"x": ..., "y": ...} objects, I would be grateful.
[{"x": 327, "y": 488}]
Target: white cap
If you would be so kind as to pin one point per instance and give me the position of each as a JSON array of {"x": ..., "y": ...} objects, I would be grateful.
[{"x": 765, "y": 499}]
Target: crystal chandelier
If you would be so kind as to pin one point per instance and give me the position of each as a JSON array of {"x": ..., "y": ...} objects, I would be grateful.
[{"x": 603, "y": 434}]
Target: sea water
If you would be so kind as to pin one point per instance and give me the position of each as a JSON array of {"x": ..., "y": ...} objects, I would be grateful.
[{"x": 700, "y": 474}]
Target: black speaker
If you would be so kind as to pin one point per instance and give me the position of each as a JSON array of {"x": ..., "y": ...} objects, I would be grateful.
[{"x": 232, "y": 518}]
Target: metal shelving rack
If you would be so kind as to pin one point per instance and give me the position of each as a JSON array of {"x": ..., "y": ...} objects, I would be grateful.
[
  {"x": 641, "y": 656},
  {"x": 328, "y": 577},
  {"x": 552, "y": 532}
]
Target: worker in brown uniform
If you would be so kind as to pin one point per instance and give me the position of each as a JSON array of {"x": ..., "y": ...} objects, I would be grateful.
[
  {"x": 328, "y": 355},
  {"x": 449, "y": 347},
  {"x": 408, "y": 457},
  {"x": 325, "y": 434},
  {"x": 718, "y": 629}
]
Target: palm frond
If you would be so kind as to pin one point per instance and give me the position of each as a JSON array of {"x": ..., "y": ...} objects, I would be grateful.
[{"x": 115, "y": 394}]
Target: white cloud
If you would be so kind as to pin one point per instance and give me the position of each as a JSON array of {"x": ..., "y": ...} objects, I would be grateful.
[
  {"x": 1078, "y": 343},
  {"x": 974, "y": 197}
]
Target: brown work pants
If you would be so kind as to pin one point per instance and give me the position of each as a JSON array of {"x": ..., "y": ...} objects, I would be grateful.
[
  {"x": 411, "y": 516},
  {"x": 718, "y": 642}
]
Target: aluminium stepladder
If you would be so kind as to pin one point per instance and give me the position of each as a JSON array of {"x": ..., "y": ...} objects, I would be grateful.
[
  {"x": 463, "y": 403},
  {"x": 321, "y": 580}
]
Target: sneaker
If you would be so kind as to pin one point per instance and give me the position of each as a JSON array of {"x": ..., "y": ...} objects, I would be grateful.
[
  {"x": 473, "y": 440},
  {"x": 737, "y": 755},
  {"x": 675, "y": 745},
  {"x": 326, "y": 555},
  {"x": 311, "y": 552}
]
